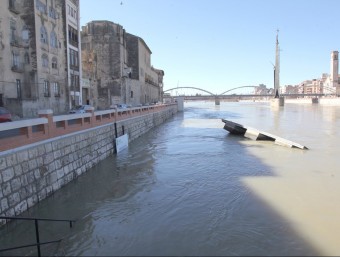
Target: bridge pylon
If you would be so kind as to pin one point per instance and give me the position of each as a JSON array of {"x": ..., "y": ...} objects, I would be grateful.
[{"x": 217, "y": 100}]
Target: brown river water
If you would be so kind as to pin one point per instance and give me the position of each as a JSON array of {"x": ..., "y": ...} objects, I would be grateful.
[{"x": 188, "y": 187}]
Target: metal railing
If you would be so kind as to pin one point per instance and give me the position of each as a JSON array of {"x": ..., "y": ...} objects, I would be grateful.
[{"x": 38, "y": 243}]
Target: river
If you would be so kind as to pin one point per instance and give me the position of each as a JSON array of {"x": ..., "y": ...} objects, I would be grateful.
[{"x": 188, "y": 187}]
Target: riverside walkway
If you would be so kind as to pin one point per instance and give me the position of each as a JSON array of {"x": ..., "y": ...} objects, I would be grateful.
[{"x": 24, "y": 132}]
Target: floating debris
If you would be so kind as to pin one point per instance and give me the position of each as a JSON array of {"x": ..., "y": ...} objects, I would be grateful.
[{"x": 254, "y": 134}]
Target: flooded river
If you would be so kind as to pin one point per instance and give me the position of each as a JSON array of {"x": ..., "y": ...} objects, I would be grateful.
[{"x": 188, "y": 187}]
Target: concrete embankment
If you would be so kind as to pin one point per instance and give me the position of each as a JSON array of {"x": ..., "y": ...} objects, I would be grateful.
[
  {"x": 30, "y": 173},
  {"x": 331, "y": 101}
]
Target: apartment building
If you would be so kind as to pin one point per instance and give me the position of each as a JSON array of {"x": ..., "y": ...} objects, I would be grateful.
[
  {"x": 73, "y": 51},
  {"x": 117, "y": 67},
  {"x": 39, "y": 56},
  {"x": 328, "y": 84}
]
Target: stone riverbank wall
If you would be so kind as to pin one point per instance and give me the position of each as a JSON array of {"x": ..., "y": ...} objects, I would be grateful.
[{"x": 29, "y": 174}]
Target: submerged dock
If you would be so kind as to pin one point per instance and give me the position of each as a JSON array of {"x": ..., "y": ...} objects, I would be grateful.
[{"x": 254, "y": 134}]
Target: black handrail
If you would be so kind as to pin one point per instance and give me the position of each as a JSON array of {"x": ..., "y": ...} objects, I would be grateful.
[
  {"x": 25, "y": 246},
  {"x": 36, "y": 232}
]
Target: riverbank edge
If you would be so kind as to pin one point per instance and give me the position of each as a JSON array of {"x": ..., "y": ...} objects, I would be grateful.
[
  {"x": 34, "y": 172},
  {"x": 327, "y": 101}
]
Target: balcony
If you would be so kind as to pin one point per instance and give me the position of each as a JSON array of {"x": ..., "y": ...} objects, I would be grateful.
[
  {"x": 54, "y": 71},
  {"x": 149, "y": 81},
  {"x": 54, "y": 50},
  {"x": 74, "y": 43},
  {"x": 18, "y": 42},
  {"x": 18, "y": 67},
  {"x": 15, "y": 42},
  {"x": 45, "y": 69}
]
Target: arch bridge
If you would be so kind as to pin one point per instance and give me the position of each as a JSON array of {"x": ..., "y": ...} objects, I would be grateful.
[
  {"x": 217, "y": 100},
  {"x": 206, "y": 91},
  {"x": 330, "y": 91},
  {"x": 200, "y": 89}
]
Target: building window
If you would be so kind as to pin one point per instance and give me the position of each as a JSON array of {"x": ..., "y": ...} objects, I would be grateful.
[
  {"x": 41, "y": 7},
  {"x": 25, "y": 34},
  {"x": 53, "y": 13},
  {"x": 56, "y": 89},
  {"x": 18, "y": 88},
  {"x": 131, "y": 94},
  {"x": 72, "y": 12},
  {"x": 73, "y": 36},
  {"x": 44, "y": 60},
  {"x": 53, "y": 39},
  {"x": 54, "y": 63},
  {"x": 15, "y": 60},
  {"x": 75, "y": 83},
  {"x": 43, "y": 35},
  {"x": 11, "y": 4},
  {"x": 27, "y": 58},
  {"x": 74, "y": 61},
  {"x": 13, "y": 28},
  {"x": 46, "y": 88}
]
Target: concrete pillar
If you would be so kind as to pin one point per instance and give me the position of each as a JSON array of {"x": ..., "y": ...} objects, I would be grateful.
[
  {"x": 91, "y": 110},
  {"x": 180, "y": 103},
  {"x": 278, "y": 101},
  {"x": 217, "y": 100},
  {"x": 49, "y": 127}
]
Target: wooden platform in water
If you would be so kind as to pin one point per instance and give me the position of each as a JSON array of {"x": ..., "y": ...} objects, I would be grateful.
[{"x": 254, "y": 134}]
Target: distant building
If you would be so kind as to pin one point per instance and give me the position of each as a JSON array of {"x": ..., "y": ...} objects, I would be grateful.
[
  {"x": 330, "y": 83},
  {"x": 313, "y": 86},
  {"x": 160, "y": 75},
  {"x": 327, "y": 84},
  {"x": 117, "y": 67},
  {"x": 39, "y": 62},
  {"x": 261, "y": 89},
  {"x": 290, "y": 89}
]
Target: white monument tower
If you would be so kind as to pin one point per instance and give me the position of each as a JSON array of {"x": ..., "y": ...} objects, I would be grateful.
[
  {"x": 278, "y": 100},
  {"x": 334, "y": 76},
  {"x": 277, "y": 67}
]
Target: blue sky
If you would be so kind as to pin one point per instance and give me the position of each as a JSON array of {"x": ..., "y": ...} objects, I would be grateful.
[{"x": 221, "y": 44}]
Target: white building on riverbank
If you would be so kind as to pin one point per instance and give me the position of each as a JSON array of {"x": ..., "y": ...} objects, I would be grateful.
[{"x": 328, "y": 84}]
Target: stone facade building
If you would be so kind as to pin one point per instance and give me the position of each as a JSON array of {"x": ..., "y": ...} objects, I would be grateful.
[
  {"x": 104, "y": 61},
  {"x": 34, "y": 55},
  {"x": 149, "y": 80},
  {"x": 117, "y": 67}
]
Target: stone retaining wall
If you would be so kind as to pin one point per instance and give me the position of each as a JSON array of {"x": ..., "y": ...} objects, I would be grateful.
[{"x": 31, "y": 173}]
